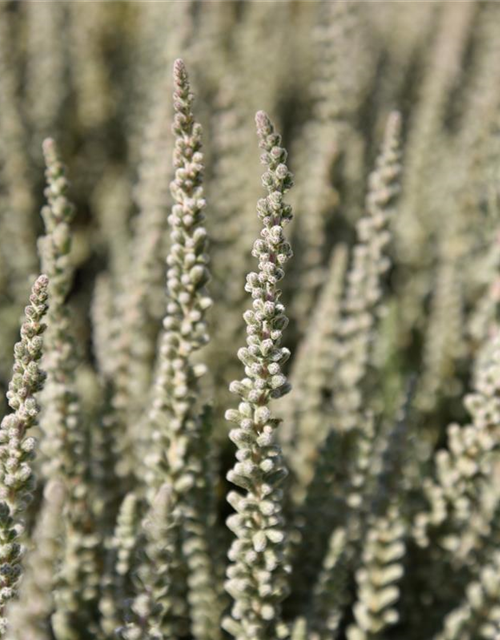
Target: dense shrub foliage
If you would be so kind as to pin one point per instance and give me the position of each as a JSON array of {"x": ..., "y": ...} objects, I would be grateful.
[{"x": 250, "y": 407}]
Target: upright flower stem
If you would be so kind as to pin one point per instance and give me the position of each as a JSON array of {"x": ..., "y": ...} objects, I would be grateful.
[{"x": 258, "y": 573}]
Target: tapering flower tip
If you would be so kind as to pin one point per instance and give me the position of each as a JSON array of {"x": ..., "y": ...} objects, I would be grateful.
[
  {"x": 49, "y": 150},
  {"x": 181, "y": 78},
  {"x": 41, "y": 286},
  {"x": 393, "y": 128},
  {"x": 263, "y": 123},
  {"x": 38, "y": 299}
]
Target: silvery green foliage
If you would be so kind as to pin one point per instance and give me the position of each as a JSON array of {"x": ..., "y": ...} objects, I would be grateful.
[
  {"x": 257, "y": 576},
  {"x": 17, "y": 445},
  {"x": 478, "y": 617},
  {"x": 29, "y": 615},
  {"x": 178, "y": 426},
  {"x": 65, "y": 442}
]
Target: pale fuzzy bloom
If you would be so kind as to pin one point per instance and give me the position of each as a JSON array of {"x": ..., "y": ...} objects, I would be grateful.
[
  {"x": 29, "y": 616},
  {"x": 17, "y": 445},
  {"x": 185, "y": 325},
  {"x": 258, "y": 569}
]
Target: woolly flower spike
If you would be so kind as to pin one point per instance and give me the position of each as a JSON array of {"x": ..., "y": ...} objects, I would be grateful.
[
  {"x": 57, "y": 216},
  {"x": 156, "y": 598},
  {"x": 17, "y": 480},
  {"x": 116, "y": 586},
  {"x": 257, "y": 576},
  {"x": 179, "y": 428},
  {"x": 364, "y": 290},
  {"x": 54, "y": 246},
  {"x": 185, "y": 324},
  {"x": 65, "y": 443},
  {"x": 378, "y": 578}
]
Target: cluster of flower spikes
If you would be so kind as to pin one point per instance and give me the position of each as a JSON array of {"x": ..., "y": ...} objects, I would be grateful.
[
  {"x": 257, "y": 575},
  {"x": 17, "y": 481}
]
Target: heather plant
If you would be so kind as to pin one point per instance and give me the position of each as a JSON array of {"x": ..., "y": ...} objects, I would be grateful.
[{"x": 233, "y": 441}]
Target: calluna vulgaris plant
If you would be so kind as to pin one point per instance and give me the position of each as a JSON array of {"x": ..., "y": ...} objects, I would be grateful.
[{"x": 317, "y": 477}]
